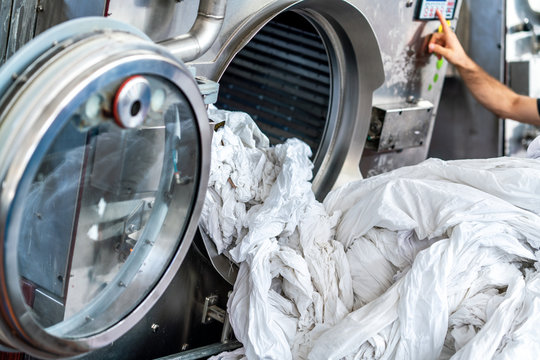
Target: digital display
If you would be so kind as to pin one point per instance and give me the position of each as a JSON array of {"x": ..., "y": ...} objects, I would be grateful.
[{"x": 426, "y": 9}]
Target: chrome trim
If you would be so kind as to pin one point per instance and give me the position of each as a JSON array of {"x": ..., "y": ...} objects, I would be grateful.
[{"x": 87, "y": 65}]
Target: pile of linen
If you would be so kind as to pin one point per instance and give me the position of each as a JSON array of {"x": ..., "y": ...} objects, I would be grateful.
[{"x": 433, "y": 261}]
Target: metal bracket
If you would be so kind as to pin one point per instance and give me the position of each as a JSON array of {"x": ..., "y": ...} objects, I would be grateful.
[
  {"x": 213, "y": 312},
  {"x": 399, "y": 126}
]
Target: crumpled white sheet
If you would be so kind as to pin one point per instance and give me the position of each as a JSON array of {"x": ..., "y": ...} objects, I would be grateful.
[
  {"x": 294, "y": 279},
  {"x": 437, "y": 260},
  {"x": 481, "y": 217},
  {"x": 533, "y": 150}
]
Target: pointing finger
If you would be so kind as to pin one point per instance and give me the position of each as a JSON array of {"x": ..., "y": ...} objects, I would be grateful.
[{"x": 444, "y": 24}]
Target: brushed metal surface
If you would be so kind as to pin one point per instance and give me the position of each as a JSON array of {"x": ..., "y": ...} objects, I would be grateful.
[{"x": 463, "y": 128}]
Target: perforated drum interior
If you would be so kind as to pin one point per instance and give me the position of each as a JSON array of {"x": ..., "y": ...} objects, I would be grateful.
[{"x": 282, "y": 79}]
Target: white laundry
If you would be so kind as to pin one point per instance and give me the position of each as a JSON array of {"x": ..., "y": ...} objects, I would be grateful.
[
  {"x": 294, "y": 280},
  {"x": 437, "y": 260},
  {"x": 533, "y": 150},
  {"x": 481, "y": 216}
]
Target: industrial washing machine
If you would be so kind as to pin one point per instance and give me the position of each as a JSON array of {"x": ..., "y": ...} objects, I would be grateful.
[{"x": 105, "y": 143}]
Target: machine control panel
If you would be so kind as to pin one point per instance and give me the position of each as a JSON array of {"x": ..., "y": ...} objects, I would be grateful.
[{"x": 426, "y": 9}]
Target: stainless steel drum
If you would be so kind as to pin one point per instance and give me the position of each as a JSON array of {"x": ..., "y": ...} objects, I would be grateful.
[
  {"x": 325, "y": 54},
  {"x": 104, "y": 158},
  {"x": 305, "y": 69}
]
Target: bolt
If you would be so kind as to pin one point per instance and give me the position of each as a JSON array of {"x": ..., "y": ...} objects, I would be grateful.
[
  {"x": 409, "y": 3},
  {"x": 39, "y": 8},
  {"x": 155, "y": 328}
]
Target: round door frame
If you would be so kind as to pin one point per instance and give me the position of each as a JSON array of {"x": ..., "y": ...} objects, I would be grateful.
[
  {"x": 132, "y": 55},
  {"x": 356, "y": 71}
]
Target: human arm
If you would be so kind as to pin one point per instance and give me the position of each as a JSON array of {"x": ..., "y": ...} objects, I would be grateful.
[{"x": 489, "y": 92}]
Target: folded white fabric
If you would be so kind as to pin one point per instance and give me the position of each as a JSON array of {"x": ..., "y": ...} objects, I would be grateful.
[{"x": 437, "y": 260}]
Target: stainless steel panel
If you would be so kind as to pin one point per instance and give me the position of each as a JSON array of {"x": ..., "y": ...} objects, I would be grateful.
[
  {"x": 5, "y": 21},
  {"x": 22, "y": 26},
  {"x": 160, "y": 20},
  {"x": 410, "y": 73},
  {"x": 396, "y": 127},
  {"x": 48, "y": 305},
  {"x": 464, "y": 128},
  {"x": 53, "y": 12},
  {"x": 519, "y": 76}
]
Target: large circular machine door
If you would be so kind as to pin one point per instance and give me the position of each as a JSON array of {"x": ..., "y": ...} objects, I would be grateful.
[{"x": 104, "y": 159}]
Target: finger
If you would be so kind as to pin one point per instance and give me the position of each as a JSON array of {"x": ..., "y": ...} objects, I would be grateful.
[
  {"x": 439, "y": 50},
  {"x": 436, "y": 38},
  {"x": 446, "y": 28}
]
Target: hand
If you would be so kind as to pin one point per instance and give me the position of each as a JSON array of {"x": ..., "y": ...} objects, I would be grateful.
[{"x": 446, "y": 44}]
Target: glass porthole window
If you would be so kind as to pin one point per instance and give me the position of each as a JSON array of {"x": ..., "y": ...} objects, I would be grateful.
[{"x": 104, "y": 163}]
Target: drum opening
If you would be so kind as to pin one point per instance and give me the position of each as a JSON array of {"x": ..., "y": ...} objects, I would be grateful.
[{"x": 282, "y": 78}]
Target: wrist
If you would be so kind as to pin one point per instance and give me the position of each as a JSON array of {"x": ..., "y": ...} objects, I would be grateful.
[{"x": 466, "y": 64}]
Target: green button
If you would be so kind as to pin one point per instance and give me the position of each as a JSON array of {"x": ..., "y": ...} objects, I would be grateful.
[
  {"x": 430, "y": 87},
  {"x": 436, "y": 77},
  {"x": 440, "y": 63}
]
